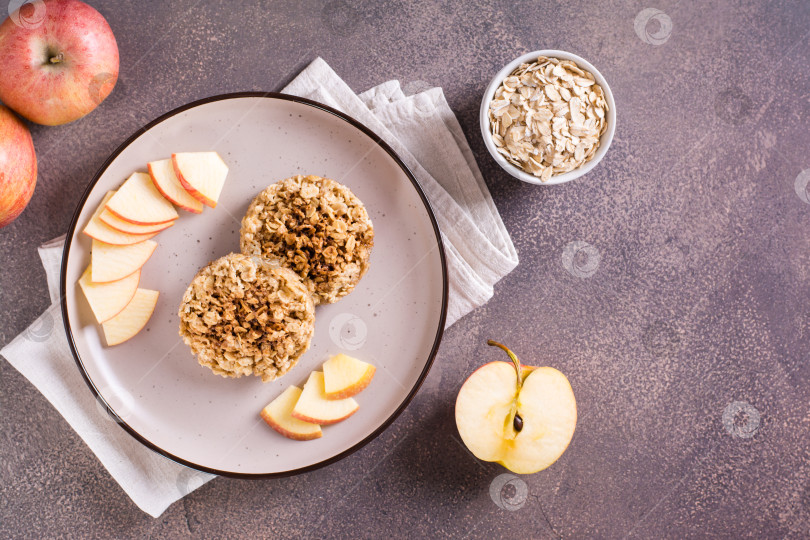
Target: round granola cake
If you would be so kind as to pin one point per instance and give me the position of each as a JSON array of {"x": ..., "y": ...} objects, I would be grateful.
[
  {"x": 241, "y": 316},
  {"x": 314, "y": 226}
]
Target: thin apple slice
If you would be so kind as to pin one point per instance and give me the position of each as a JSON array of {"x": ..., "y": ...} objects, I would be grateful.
[
  {"x": 165, "y": 180},
  {"x": 202, "y": 174},
  {"x": 278, "y": 416},
  {"x": 138, "y": 201},
  {"x": 111, "y": 263},
  {"x": 99, "y": 230},
  {"x": 344, "y": 376},
  {"x": 313, "y": 406},
  {"x": 108, "y": 299},
  {"x": 111, "y": 220},
  {"x": 132, "y": 319}
]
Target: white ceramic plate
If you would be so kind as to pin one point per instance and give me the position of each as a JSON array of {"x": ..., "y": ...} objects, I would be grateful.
[{"x": 394, "y": 318}]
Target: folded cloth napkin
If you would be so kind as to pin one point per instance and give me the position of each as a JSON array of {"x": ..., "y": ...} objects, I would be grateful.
[{"x": 425, "y": 133}]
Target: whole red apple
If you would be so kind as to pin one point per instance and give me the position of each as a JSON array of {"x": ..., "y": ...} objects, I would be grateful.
[
  {"x": 18, "y": 166},
  {"x": 58, "y": 60}
]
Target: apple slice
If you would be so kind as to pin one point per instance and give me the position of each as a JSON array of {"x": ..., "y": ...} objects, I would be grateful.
[
  {"x": 99, "y": 230},
  {"x": 278, "y": 416},
  {"x": 344, "y": 376},
  {"x": 165, "y": 180},
  {"x": 313, "y": 406},
  {"x": 132, "y": 319},
  {"x": 202, "y": 174},
  {"x": 111, "y": 263},
  {"x": 138, "y": 201},
  {"x": 108, "y": 299},
  {"x": 524, "y": 423},
  {"x": 111, "y": 220}
]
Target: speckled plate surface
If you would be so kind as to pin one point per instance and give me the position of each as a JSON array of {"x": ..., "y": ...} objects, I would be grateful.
[{"x": 394, "y": 319}]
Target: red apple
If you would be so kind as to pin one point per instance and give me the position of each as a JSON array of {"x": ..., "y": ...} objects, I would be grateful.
[
  {"x": 18, "y": 166},
  {"x": 58, "y": 60}
]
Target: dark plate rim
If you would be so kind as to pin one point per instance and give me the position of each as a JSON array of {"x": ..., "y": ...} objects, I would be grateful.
[{"x": 238, "y": 95}]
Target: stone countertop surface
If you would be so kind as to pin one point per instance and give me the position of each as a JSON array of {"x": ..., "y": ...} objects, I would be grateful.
[{"x": 682, "y": 323}]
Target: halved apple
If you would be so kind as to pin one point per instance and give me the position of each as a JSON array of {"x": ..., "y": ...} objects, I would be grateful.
[
  {"x": 344, "y": 376},
  {"x": 138, "y": 201},
  {"x": 132, "y": 319},
  {"x": 165, "y": 180},
  {"x": 522, "y": 422},
  {"x": 108, "y": 299},
  {"x": 111, "y": 263},
  {"x": 111, "y": 220},
  {"x": 99, "y": 230},
  {"x": 202, "y": 174},
  {"x": 278, "y": 416},
  {"x": 313, "y": 406}
]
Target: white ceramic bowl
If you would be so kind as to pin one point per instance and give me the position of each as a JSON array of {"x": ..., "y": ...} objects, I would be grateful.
[{"x": 606, "y": 139}]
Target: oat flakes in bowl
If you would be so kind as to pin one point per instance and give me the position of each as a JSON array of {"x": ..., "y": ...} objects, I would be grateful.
[
  {"x": 315, "y": 226},
  {"x": 548, "y": 117},
  {"x": 244, "y": 316}
]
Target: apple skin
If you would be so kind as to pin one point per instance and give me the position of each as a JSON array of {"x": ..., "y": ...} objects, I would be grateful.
[
  {"x": 18, "y": 166},
  {"x": 45, "y": 87},
  {"x": 188, "y": 187},
  {"x": 277, "y": 415},
  {"x": 286, "y": 432},
  {"x": 356, "y": 388},
  {"x": 172, "y": 200}
]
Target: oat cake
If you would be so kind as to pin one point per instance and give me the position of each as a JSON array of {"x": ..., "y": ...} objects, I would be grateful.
[
  {"x": 242, "y": 315},
  {"x": 315, "y": 226}
]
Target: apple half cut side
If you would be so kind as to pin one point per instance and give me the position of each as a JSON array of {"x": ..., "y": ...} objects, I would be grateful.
[
  {"x": 138, "y": 201},
  {"x": 313, "y": 406},
  {"x": 132, "y": 319},
  {"x": 111, "y": 220},
  {"x": 98, "y": 230},
  {"x": 524, "y": 423},
  {"x": 202, "y": 174},
  {"x": 278, "y": 415},
  {"x": 344, "y": 376},
  {"x": 108, "y": 299},
  {"x": 166, "y": 181},
  {"x": 111, "y": 263}
]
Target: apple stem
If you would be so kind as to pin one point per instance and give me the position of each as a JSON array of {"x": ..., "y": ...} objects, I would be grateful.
[
  {"x": 514, "y": 359},
  {"x": 57, "y": 59}
]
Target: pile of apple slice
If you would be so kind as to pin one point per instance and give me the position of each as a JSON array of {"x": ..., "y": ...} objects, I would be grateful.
[
  {"x": 122, "y": 227},
  {"x": 327, "y": 398}
]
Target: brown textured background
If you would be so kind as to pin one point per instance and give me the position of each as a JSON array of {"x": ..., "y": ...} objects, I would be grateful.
[{"x": 699, "y": 299}]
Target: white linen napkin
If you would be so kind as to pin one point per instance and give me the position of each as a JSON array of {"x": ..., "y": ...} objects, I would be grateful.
[{"x": 425, "y": 133}]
